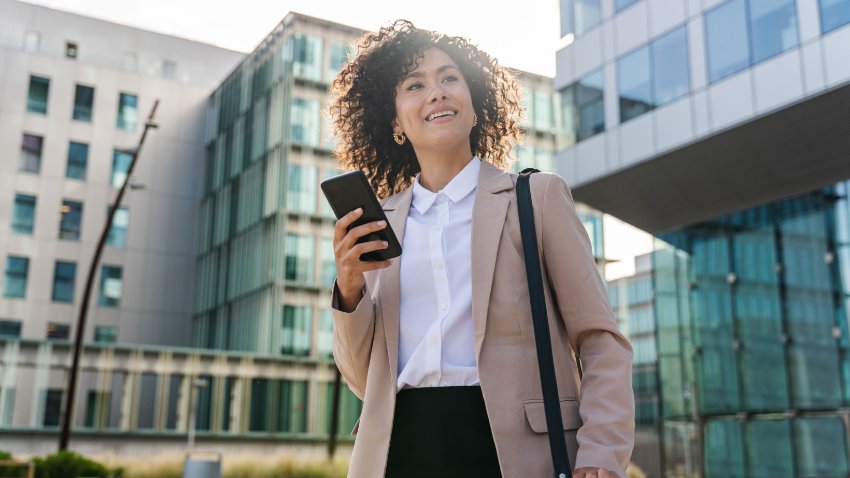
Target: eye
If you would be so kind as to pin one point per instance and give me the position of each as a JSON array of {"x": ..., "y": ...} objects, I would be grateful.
[
  {"x": 450, "y": 78},
  {"x": 414, "y": 86}
]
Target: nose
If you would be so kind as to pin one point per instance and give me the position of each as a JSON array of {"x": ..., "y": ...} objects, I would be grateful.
[{"x": 437, "y": 94}]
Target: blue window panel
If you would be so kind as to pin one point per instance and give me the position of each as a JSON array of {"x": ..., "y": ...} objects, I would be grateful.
[
  {"x": 591, "y": 110},
  {"x": 15, "y": 280},
  {"x": 579, "y": 16},
  {"x": 120, "y": 167},
  {"x": 83, "y": 103},
  {"x": 105, "y": 335},
  {"x": 773, "y": 27},
  {"x": 23, "y": 215},
  {"x": 834, "y": 14},
  {"x": 111, "y": 285},
  {"x": 727, "y": 41},
  {"x": 634, "y": 82},
  {"x": 670, "y": 70},
  {"x": 37, "y": 95},
  {"x": 11, "y": 329},
  {"x": 78, "y": 157},
  {"x": 31, "y": 146},
  {"x": 118, "y": 232},
  {"x": 128, "y": 112},
  {"x": 70, "y": 223},
  {"x": 64, "y": 276}
]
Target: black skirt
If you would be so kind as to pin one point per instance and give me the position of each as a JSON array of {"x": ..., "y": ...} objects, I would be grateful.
[{"x": 441, "y": 432}]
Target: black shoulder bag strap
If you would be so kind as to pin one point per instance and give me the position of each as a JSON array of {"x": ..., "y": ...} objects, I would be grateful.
[{"x": 551, "y": 403}]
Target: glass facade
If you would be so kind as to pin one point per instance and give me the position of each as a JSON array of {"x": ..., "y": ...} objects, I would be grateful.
[
  {"x": 305, "y": 119},
  {"x": 78, "y": 157},
  {"x": 301, "y": 188},
  {"x": 579, "y": 16},
  {"x": 111, "y": 285},
  {"x": 64, "y": 276},
  {"x": 31, "y": 146},
  {"x": 305, "y": 52},
  {"x": 582, "y": 109},
  {"x": 296, "y": 330},
  {"x": 752, "y": 323},
  {"x": 105, "y": 334},
  {"x": 117, "y": 236},
  {"x": 58, "y": 331},
  {"x": 23, "y": 214},
  {"x": 328, "y": 264},
  {"x": 37, "y": 95},
  {"x": 83, "y": 103},
  {"x": 653, "y": 75},
  {"x": 128, "y": 112},
  {"x": 741, "y": 33},
  {"x": 622, "y": 4},
  {"x": 15, "y": 278},
  {"x": 71, "y": 219},
  {"x": 10, "y": 329},
  {"x": 833, "y": 14},
  {"x": 300, "y": 256}
]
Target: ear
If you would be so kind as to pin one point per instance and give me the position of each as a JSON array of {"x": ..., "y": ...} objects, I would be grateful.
[{"x": 396, "y": 127}]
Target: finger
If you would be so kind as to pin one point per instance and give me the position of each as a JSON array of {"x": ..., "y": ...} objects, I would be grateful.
[
  {"x": 366, "y": 266},
  {"x": 370, "y": 246},
  {"x": 341, "y": 227},
  {"x": 356, "y": 233}
]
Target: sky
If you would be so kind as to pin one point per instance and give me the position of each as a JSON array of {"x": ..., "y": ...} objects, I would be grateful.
[{"x": 522, "y": 35}]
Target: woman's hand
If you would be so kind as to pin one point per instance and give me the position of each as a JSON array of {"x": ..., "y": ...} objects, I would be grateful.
[
  {"x": 593, "y": 473},
  {"x": 349, "y": 267}
]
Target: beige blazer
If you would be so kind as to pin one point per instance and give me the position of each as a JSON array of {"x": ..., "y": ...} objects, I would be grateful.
[{"x": 598, "y": 412}]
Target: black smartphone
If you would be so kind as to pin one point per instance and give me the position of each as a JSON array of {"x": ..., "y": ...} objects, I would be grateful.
[{"x": 349, "y": 191}]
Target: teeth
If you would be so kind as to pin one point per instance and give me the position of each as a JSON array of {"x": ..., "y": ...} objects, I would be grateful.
[{"x": 439, "y": 114}]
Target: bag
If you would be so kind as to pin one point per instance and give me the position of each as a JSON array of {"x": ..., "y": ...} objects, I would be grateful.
[{"x": 554, "y": 421}]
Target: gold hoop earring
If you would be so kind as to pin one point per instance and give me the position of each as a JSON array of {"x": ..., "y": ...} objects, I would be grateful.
[
  {"x": 399, "y": 138},
  {"x": 474, "y": 119}
]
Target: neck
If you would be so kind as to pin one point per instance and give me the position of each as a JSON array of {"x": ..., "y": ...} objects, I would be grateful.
[{"x": 440, "y": 167}]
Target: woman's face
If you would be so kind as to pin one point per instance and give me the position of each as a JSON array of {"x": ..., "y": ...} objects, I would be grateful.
[{"x": 433, "y": 104}]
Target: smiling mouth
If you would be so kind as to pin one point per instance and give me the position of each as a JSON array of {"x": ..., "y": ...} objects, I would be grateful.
[{"x": 441, "y": 114}]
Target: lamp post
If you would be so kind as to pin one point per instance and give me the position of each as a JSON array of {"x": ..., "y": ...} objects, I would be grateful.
[
  {"x": 65, "y": 434},
  {"x": 197, "y": 383}
]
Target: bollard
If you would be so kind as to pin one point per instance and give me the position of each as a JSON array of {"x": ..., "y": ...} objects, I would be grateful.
[{"x": 200, "y": 464}]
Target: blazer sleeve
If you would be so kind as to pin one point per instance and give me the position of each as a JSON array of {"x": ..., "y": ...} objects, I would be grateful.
[
  {"x": 352, "y": 340},
  {"x": 606, "y": 437}
]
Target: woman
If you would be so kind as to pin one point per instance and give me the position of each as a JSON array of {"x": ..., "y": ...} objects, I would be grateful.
[{"x": 439, "y": 342}]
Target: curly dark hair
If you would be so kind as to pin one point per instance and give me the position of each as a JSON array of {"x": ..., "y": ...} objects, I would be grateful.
[{"x": 363, "y": 105}]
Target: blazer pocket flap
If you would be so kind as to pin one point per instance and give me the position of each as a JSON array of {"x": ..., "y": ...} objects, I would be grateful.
[{"x": 536, "y": 415}]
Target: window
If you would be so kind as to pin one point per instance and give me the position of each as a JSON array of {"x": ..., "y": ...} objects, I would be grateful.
[
  {"x": 305, "y": 52},
  {"x": 301, "y": 189},
  {"x": 23, "y": 215},
  {"x": 583, "y": 110},
  {"x": 78, "y": 157},
  {"x": 31, "y": 146},
  {"x": 128, "y": 113},
  {"x": 295, "y": 336},
  {"x": 10, "y": 329},
  {"x": 118, "y": 232},
  {"x": 83, "y": 102},
  {"x": 299, "y": 258},
  {"x": 622, "y": 4},
  {"x": 71, "y": 50},
  {"x": 105, "y": 335},
  {"x": 542, "y": 111},
  {"x": 169, "y": 69},
  {"x": 64, "y": 275},
  {"x": 58, "y": 331},
  {"x": 833, "y": 14},
  {"x": 37, "y": 96},
  {"x": 69, "y": 224},
  {"x": 579, "y": 16},
  {"x": 741, "y": 33},
  {"x": 110, "y": 286},
  {"x": 15, "y": 281},
  {"x": 304, "y": 122},
  {"x": 328, "y": 262},
  {"x": 52, "y": 407},
  {"x": 653, "y": 75},
  {"x": 120, "y": 166},
  {"x": 325, "y": 336},
  {"x": 337, "y": 56}
]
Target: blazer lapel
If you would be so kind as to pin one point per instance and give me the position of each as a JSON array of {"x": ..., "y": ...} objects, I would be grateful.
[
  {"x": 396, "y": 209},
  {"x": 488, "y": 219}
]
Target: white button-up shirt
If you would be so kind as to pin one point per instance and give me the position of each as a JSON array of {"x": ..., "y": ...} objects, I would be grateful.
[{"x": 435, "y": 332}]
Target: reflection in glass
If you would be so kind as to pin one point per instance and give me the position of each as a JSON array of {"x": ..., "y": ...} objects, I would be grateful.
[
  {"x": 634, "y": 84},
  {"x": 37, "y": 95},
  {"x": 834, "y": 14},
  {"x": 583, "y": 110},
  {"x": 670, "y": 70},
  {"x": 727, "y": 42},
  {"x": 773, "y": 27},
  {"x": 63, "y": 281},
  {"x": 579, "y": 16}
]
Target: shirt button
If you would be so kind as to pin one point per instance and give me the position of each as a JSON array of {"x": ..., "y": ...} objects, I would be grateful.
[
  {"x": 443, "y": 213},
  {"x": 433, "y": 340},
  {"x": 438, "y": 264},
  {"x": 444, "y": 307}
]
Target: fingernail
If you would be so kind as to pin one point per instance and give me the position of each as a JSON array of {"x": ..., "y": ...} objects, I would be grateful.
[
  {"x": 385, "y": 243},
  {"x": 382, "y": 223},
  {"x": 359, "y": 210}
]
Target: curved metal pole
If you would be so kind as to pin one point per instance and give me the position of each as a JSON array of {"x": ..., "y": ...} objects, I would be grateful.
[{"x": 65, "y": 434}]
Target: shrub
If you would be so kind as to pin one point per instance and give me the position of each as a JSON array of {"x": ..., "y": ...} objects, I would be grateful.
[{"x": 67, "y": 464}]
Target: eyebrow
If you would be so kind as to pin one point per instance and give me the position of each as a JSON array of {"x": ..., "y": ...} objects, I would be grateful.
[{"x": 419, "y": 74}]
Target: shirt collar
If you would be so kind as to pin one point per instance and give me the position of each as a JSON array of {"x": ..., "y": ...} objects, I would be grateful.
[{"x": 458, "y": 188}]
